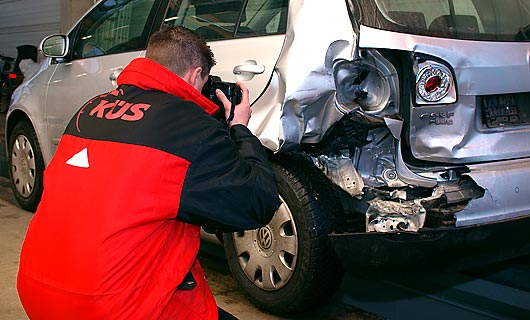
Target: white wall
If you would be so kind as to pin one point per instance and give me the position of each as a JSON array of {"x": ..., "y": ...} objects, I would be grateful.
[
  {"x": 72, "y": 10},
  {"x": 28, "y": 21}
]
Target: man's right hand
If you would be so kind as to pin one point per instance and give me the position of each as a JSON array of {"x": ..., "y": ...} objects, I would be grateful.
[{"x": 242, "y": 111}]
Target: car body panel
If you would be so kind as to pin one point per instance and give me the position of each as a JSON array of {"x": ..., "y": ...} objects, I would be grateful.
[
  {"x": 307, "y": 75},
  {"x": 481, "y": 68},
  {"x": 507, "y": 189},
  {"x": 70, "y": 82},
  {"x": 27, "y": 99},
  {"x": 267, "y": 49},
  {"x": 265, "y": 56}
]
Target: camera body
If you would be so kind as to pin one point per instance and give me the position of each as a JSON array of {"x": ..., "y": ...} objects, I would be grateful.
[{"x": 231, "y": 91}]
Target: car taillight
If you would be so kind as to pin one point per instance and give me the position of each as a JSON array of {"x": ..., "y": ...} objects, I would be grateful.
[
  {"x": 434, "y": 83},
  {"x": 12, "y": 76}
]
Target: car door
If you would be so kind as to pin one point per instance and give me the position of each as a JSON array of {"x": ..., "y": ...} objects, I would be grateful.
[
  {"x": 106, "y": 39},
  {"x": 246, "y": 37}
]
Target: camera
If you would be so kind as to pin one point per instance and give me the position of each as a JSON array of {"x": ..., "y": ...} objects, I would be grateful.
[{"x": 231, "y": 91}]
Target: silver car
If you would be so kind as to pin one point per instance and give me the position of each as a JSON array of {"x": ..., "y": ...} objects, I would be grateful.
[{"x": 399, "y": 130}]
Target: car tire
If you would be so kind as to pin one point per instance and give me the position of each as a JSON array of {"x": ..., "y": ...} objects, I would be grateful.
[
  {"x": 26, "y": 166},
  {"x": 293, "y": 250}
]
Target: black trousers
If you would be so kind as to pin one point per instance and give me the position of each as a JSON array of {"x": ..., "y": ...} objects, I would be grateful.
[{"x": 223, "y": 315}]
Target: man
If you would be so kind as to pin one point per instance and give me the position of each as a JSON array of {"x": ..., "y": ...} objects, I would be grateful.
[{"x": 136, "y": 173}]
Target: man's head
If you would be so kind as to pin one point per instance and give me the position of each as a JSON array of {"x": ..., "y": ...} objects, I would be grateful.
[{"x": 183, "y": 52}]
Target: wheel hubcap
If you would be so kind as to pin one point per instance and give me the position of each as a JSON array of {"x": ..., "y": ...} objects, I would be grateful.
[
  {"x": 23, "y": 166},
  {"x": 264, "y": 238},
  {"x": 268, "y": 255}
]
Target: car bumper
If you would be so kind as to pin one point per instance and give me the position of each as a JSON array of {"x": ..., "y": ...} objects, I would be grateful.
[{"x": 448, "y": 248}]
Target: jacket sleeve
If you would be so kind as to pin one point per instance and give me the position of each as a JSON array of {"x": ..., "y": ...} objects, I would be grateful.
[{"x": 230, "y": 185}]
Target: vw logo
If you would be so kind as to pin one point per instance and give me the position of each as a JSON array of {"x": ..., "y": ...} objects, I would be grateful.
[{"x": 264, "y": 238}]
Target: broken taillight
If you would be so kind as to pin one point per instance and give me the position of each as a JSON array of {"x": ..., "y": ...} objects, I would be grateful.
[{"x": 367, "y": 83}]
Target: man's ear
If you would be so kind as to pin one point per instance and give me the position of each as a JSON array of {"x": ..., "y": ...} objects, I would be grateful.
[{"x": 194, "y": 76}]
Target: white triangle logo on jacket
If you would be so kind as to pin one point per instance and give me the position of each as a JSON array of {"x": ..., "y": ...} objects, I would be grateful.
[{"x": 79, "y": 159}]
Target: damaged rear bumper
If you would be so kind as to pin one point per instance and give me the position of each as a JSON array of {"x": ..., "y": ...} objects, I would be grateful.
[{"x": 431, "y": 249}]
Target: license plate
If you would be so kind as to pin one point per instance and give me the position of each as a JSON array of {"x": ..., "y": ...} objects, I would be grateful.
[{"x": 506, "y": 110}]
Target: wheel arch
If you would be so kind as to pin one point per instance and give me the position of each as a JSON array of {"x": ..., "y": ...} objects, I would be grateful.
[
  {"x": 17, "y": 116},
  {"x": 314, "y": 179},
  {"x": 317, "y": 272}
]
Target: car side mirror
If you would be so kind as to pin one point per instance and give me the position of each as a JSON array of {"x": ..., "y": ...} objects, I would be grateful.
[{"x": 54, "y": 46}]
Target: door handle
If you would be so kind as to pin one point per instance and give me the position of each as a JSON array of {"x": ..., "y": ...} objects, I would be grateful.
[
  {"x": 249, "y": 68},
  {"x": 113, "y": 76}
]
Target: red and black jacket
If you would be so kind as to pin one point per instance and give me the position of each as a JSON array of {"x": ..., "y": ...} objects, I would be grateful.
[{"x": 136, "y": 173}]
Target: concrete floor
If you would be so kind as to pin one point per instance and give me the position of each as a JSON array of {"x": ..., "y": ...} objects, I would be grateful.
[{"x": 13, "y": 222}]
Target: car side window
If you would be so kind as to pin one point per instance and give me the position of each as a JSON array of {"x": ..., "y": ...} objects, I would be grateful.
[
  {"x": 264, "y": 17},
  {"x": 225, "y": 19},
  {"x": 114, "y": 26}
]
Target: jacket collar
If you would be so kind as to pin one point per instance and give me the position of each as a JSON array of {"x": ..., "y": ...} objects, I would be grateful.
[{"x": 150, "y": 75}]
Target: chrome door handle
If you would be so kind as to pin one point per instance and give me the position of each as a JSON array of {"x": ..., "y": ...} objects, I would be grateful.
[
  {"x": 113, "y": 76},
  {"x": 249, "y": 68}
]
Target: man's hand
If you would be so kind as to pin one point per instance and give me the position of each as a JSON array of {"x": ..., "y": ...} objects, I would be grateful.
[{"x": 241, "y": 111}]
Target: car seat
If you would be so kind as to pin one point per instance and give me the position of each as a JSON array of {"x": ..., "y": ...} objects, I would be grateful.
[
  {"x": 222, "y": 19},
  {"x": 455, "y": 24},
  {"x": 410, "y": 19}
]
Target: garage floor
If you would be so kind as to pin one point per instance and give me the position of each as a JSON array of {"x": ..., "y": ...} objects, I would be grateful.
[{"x": 12, "y": 231}]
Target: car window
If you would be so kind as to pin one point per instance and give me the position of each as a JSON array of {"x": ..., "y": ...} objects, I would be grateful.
[
  {"x": 506, "y": 20},
  {"x": 115, "y": 26},
  {"x": 225, "y": 19}
]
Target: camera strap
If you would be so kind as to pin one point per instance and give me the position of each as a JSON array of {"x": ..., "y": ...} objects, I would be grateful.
[{"x": 231, "y": 115}]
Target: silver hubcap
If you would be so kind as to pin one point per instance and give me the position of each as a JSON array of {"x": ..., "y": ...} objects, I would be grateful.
[
  {"x": 268, "y": 255},
  {"x": 23, "y": 166}
]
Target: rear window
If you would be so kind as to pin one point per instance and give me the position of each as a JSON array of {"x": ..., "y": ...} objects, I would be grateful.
[{"x": 493, "y": 20}]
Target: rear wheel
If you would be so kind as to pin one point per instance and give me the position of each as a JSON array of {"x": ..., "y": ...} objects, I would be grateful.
[
  {"x": 289, "y": 265},
  {"x": 26, "y": 166}
]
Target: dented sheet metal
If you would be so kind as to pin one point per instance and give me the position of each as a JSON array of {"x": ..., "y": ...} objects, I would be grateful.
[
  {"x": 454, "y": 133},
  {"x": 507, "y": 193},
  {"x": 308, "y": 103},
  {"x": 340, "y": 170},
  {"x": 319, "y": 108}
]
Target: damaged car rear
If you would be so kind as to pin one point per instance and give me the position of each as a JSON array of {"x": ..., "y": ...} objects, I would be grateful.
[
  {"x": 436, "y": 104},
  {"x": 418, "y": 114}
]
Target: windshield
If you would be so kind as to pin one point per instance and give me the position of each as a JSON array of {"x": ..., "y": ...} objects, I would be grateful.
[{"x": 493, "y": 20}]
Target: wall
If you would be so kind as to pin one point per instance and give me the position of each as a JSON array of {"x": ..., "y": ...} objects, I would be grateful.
[
  {"x": 28, "y": 21},
  {"x": 72, "y": 10}
]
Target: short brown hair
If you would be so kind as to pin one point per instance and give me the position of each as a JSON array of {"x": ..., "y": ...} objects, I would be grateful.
[{"x": 180, "y": 49}]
